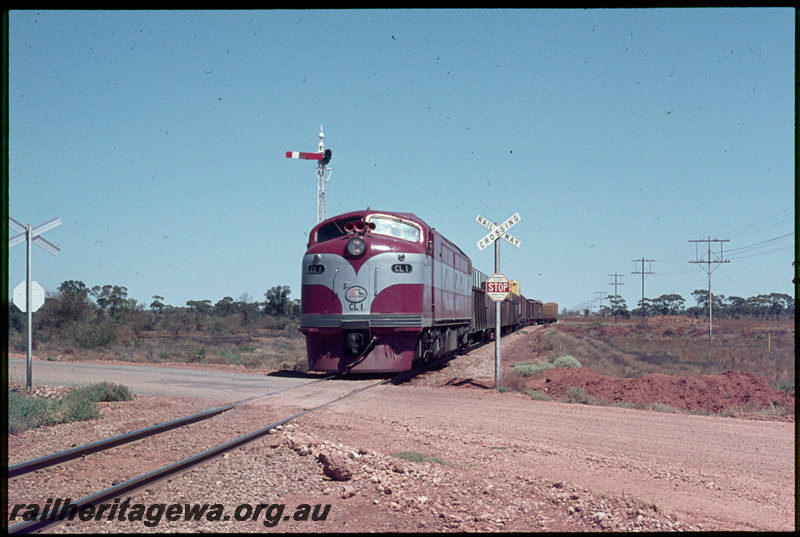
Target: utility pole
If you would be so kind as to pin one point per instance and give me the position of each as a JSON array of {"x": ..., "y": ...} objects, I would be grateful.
[
  {"x": 615, "y": 283},
  {"x": 708, "y": 258},
  {"x": 643, "y": 272},
  {"x": 599, "y": 296}
]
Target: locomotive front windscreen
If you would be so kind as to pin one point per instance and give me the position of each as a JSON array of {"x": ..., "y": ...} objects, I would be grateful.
[{"x": 395, "y": 228}]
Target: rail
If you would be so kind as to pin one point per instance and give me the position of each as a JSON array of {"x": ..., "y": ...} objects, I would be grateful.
[{"x": 40, "y": 523}]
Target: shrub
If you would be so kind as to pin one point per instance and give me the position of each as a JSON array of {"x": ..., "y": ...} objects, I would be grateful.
[
  {"x": 28, "y": 412},
  {"x": 25, "y": 412},
  {"x": 538, "y": 395},
  {"x": 528, "y": 370},
  {"x": 98, "y": 334},
  {"x": 577, "y": 394},
  {"x": 101, "y": 392},
  {"x": 566, "y": 361}
]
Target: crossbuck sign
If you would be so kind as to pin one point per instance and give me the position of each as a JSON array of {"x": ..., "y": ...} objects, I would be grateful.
[
  {"x": 497, "y": 286},
  {"x": 498, "y": 231}
]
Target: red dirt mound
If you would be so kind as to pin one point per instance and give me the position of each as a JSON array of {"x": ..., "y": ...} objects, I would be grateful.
[{"x": 712, "y": 393}]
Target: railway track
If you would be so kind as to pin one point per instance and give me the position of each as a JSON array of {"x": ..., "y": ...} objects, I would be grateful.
[{"x": 46, "y": 520}]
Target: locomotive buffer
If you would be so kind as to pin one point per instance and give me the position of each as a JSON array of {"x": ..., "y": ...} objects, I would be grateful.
[{"x": 497, "y": 285}]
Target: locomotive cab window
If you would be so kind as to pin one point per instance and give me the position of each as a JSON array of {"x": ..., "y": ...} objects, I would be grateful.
[
  {"x": 395, "y": 228},
  {"x": 334, "y": 229}
]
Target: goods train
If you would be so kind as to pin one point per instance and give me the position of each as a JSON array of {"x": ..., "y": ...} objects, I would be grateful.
[{"x": 383, "y": 290}]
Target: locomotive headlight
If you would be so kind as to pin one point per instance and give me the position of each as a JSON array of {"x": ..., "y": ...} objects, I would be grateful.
[{"x": 356, "y": 246}]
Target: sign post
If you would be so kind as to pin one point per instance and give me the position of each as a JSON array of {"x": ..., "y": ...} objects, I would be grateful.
[
  {"x": 498, "y": 286},
  {"x": 34, "y": 295}
]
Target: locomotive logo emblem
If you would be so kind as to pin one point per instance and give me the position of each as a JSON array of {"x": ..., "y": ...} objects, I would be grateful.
[{"x": 355, "y": 293}]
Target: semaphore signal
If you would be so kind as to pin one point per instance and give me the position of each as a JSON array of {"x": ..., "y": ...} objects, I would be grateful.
[{"x": 323, "y": 157}]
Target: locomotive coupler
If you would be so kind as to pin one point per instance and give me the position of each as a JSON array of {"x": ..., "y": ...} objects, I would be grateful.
[{"x": 356, "y": 337}]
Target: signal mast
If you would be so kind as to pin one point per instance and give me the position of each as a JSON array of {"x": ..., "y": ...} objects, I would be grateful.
[{"x": 323, "y": 156}]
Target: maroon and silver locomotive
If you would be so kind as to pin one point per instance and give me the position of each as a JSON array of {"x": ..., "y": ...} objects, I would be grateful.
[{"x": 381, "y": 290}]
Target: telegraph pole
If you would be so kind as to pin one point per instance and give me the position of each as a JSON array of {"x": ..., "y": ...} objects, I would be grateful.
[
  {"x": 708, "y": 258},
  {"x": 599, "y": 296},
  {"x": 643, "y": 272},
  {"x": 615, "y": 283}
]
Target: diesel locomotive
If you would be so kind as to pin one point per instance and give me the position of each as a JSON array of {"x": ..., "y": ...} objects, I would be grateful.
[{"x": 383, "y": 290}]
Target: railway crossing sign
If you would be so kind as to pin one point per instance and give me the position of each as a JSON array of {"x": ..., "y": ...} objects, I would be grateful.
[
  {"x": 498, "y": 231},
  {"x": 20, "y": 299},
  {"x": 498, "y": 287},
  {"x": 29, "y": 293},
  {"x": 35, "y": 234}
]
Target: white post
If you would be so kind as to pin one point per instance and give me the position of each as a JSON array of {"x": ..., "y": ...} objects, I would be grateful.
[
  {"x": 29, "y": 313},
  {"x": 497, "y": 307}
]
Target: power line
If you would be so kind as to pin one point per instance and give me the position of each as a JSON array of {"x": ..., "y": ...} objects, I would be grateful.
[
  {"x": 760, "y": 243},
  {"x": 778, "y": 218}
]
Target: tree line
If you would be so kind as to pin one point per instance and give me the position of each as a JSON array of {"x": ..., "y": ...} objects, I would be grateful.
[
  {"x": 773, "y": 306},
  {"x": 101, "y": 315}
]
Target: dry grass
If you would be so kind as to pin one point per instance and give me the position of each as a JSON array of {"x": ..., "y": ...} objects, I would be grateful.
[
  {"x": 678, "y": 346},
  {"x": 265, "y": 349}
]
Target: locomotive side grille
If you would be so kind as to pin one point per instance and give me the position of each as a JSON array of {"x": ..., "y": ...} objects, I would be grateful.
[{"x": 393, "y": 320}]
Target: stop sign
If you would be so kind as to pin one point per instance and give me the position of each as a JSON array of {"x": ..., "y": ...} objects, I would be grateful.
[
  {"x": 498, "y": 287},
  {"x": 21, "y": 299}
]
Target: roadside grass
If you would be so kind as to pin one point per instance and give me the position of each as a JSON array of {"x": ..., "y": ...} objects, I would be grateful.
[
  {"x": 538, "y": 395},
  {"x": 278, "y": 349},
  {"x": 529, "y": 368},
  {"x": 673, "y": 346},
  {"x": 680, "y": 346},
  {"x": 415, "y": 456},
  {"x": 577, "y": 394},
  {"x": 27, "y": 412},
  {"x": 514, "y": 380}
]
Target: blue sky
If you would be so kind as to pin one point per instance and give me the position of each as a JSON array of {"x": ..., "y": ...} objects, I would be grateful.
[{"x": 159, "y": 139}]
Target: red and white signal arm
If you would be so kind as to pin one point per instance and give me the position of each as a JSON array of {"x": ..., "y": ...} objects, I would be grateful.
[
  {"x": 303, "y": 155},
  {"x": 498, "y": 287}
]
